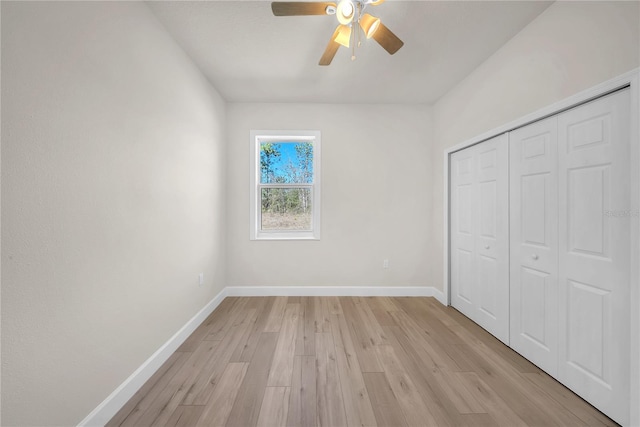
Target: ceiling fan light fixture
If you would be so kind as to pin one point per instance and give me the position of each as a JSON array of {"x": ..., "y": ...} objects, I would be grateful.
[
  {"x": 345, "y": 12},
  {"x": 343, "y": 35},
  {"x": 369, "y": 24}
]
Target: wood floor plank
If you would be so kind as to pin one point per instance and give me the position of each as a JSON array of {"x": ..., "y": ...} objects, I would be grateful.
[
  {"x": 369, "y": 323},
  {"x": 302, "y": 399},
  {"x": 244, "y": 338},
  {"x": 170, "y": 397},
  {"x": 383, "y": 317},
  {"x": 493, "y": 362},
  {"x": 477, "y": 420},
  {"x": 354, "y": 391},
  {"x": 294, "y": 415},
  {"x": 246, "y": 406},
  {"x": 382, "y": 309},
  {"x": 410, "y": 401},
  {"x": 493, "y": 404},
  {"x": 199, "y": 393},
  {"x": 435, "y": 356},
  {"x": 426, "y": 318},
  {"x": 215, "y": 320},
  {"x": 442, "y": 409},
  {"x": 218, "y": 331},
  {"x": 274, "y": 321},
  {"x": 218, "y": 408},
  {"x": 506, "y": 381},
  {"x": 385, "y": 361},
  {"x": 457, "y": 393},
  {"x": 245, "y": 349},
  {"x": 282, "y": 365},
  {"x": 333, "y": 307},
  {"x": 256, "y": 302},
  {"x": 330, "y": 403},
  {"x": 185, "y": 416},
  {"x": 385, "y": 405},
  {"x": 309, "y": 326},
  {"x": 383, "y": 303},
  {"x": 455, "y": 321},
  {"x": 437, "y": 340},
  {"x": 364, "y": 347},
  {"x": 141, "y": 400},
  {"x": 275, "y": 407},
  {"x": 518, "y": 362},
  {"x": 299, "y": 340},
  {"x": 309, "y": 391},
  {"x": 440, "y": 331},
  {"x": 322, "y": 315},
  {"x": 568, "y": 399}
]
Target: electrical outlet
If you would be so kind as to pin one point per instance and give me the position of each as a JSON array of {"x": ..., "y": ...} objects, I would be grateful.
[
  {"x": 385, "y": 263},
  {"x": 201, "y": 279}
]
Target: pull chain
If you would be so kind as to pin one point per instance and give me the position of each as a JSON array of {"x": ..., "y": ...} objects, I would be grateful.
[{"x": 356, "y": 33}]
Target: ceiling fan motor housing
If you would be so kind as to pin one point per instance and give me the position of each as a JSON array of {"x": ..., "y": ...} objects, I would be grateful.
[{"x": 345, "y": 12}]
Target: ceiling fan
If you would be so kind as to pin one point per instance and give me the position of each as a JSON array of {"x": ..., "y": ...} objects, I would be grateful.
[{"x": 350, "y": 15}]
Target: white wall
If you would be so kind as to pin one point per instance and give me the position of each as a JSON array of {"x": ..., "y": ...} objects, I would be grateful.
[
  {"x": 113, "y": 189},
  {"x": 114, "y": 184},
  {"x": 375, "y": 197},
  {"x": 570, "y": 47}
]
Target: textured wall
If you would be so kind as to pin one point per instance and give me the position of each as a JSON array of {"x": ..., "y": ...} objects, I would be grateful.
[
  {"x": 375, "y": 197},
  {"x": 570, "y": 47},
  {"x": 113, "y": 188}
]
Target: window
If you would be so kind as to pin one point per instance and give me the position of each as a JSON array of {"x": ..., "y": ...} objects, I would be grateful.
[{"x": 285, "y": 185}]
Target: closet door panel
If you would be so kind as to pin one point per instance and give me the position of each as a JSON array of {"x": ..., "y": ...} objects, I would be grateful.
[
  {"x": 479, "y": 234},
  {"x": 492, "y": 238},
  {"x": 594, "y": 252},
  {"x": 462, "y": 195},
  {"x": 534, "y": 243}
]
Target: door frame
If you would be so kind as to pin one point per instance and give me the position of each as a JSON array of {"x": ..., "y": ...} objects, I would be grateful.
[{"x": 630, "y": 79}]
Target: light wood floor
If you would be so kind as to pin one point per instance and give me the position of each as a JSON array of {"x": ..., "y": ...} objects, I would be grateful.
[{"x": 343, "y": 361}]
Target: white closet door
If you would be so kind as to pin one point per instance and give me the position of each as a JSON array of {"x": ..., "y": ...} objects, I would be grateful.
[
  {"x": 534, "y": 243},
  {"x": 462, "y": 233},
  {"x": 492, "y": 236},
  {"x": 480, "y": 234},
  {"x": 594, "y": 251}
]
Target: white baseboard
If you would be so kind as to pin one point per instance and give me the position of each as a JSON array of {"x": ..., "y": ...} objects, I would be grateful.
[
  {"x": 439, "y": 295},
  {"x": 324, "y": 291},
  {"x": 116, "y": 400}
]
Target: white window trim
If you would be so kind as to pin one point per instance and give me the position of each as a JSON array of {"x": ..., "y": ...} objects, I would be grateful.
[{"x": 259, "y": 136}]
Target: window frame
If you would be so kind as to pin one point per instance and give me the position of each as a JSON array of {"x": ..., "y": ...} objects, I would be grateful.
[{"x": 258, "y": 137}]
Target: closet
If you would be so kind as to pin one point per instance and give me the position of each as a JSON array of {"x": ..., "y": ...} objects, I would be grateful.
[{"x": 540, "y": 245}]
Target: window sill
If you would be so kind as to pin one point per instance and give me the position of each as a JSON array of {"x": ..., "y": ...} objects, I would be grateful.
[{"x": 285, "y": 236}]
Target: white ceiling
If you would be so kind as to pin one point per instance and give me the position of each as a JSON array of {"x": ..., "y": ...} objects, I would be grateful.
[{"x": 249, "y": 55}]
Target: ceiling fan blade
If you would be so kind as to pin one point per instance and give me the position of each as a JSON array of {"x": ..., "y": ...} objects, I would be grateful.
[
  {"x": 331, "y": 49},
  {"x": 294, "y": 8},
  {"x": 389, "y": 41}
]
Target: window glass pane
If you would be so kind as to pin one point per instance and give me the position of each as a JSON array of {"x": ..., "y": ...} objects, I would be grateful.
[
  {"x": 286, "y": 163},
  {"x": 286, "y": 209}
]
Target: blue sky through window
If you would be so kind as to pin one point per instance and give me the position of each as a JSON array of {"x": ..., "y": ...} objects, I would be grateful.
[{"x": 286, "y": 162}]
